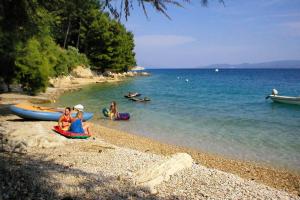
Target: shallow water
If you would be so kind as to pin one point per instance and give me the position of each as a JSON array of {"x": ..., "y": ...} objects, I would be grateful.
[{"x": 224, "y": 113}]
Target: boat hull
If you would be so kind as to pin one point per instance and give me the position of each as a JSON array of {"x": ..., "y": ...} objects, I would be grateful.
[
  {"x": 286, "y": 99},
  {"x": 43, "y": 115}
]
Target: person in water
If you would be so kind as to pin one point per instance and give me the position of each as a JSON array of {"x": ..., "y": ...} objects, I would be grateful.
[
  {"x": 77, "y": 125},
  {"x": 65, "y": 119},
  {"x": 113, "y": 112}
]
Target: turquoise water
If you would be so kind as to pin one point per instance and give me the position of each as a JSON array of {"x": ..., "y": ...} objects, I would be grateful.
[{"x": 224, "y": 113}]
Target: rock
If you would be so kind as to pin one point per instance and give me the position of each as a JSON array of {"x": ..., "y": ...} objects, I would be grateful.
[
  {"x": 108, "y": 74},
  {"x": 129, "y": 74},
  {"x": 141, "y": 194},
  {"x": 32, "y": 135},
  {"x": 82, "y": 72},
  {"x": 162, "y": 170}
]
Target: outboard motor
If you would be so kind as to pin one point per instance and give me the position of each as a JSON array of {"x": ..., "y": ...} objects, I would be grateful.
[{"x": 274, "y": 92}]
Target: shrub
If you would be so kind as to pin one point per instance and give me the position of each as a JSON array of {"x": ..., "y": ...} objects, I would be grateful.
[{"x": 33, "y": 65}]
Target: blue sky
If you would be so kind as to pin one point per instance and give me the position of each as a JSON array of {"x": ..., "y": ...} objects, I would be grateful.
[{"x": 242, "y": 31}]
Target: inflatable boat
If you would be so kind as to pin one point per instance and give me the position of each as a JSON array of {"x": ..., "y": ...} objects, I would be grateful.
[
  {"x": 283, "y": 99},
  {"x": 69, "y": 134},
  {"x": 146, "y": 99},
  {"x": 134, "y": 94},
  {"x": 122, "y": 116},
  {"x": 42, "y": 113}
]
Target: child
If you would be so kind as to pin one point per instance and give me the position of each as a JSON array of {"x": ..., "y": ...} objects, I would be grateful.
[{"x": 113, "y": 113}]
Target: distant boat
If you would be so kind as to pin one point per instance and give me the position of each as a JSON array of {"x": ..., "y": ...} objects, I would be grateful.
[
  {"x": 145, "y": 99},
  {"x": 132, "y": 94},
  {"x": 217, "y": 70},
  {"x": 137, "y": 68},
  {"x": 283, "y": 99}
]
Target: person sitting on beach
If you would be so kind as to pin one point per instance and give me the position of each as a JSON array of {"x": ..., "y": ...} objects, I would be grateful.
[
  {"x": 78, "y": 107},
  {"x": 113, "y": 113},
  {"x": 77, "y": 125},
  {"x": 65, "y": 119}
]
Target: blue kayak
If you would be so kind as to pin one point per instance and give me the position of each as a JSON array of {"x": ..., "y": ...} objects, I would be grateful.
[{"x": 42, "y": 113}]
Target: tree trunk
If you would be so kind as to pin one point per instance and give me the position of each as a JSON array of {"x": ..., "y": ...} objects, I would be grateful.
[
  {"x": 8, "y": 87},
  {"x": 67, "y": 33},
  {"x": 78, "y": 37},
  {"x": 85, "y": 43}
]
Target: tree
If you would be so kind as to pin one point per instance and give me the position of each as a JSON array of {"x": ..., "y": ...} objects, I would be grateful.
[
  {"x": 13, "y": 18},
  {"x": 19, "y": 21},
  {"x": 160, "y": 5},
  {"x": 34, "y": 64}
]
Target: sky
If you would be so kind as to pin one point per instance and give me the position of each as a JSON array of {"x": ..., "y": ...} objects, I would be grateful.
[{"x": 242, "y": 31}]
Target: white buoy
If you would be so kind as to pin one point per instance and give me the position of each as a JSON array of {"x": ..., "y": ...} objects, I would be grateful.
[
  {"x": 186, "y": 80},
  {"x": 217, "y": 70},
  {"x": 178, "y": 77}
]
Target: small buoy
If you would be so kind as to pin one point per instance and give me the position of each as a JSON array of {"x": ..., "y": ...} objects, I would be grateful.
[
  {"x": 216, "y": 70},
  {"x": 178, "y": 77},
  {"x": 186, "y": 80}
]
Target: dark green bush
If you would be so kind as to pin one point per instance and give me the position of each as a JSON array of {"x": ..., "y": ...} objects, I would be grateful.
[{"x": 34, "y": 65}]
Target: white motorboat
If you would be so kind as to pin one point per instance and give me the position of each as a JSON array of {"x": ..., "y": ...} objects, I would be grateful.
[{"x": 283, "y": 99}]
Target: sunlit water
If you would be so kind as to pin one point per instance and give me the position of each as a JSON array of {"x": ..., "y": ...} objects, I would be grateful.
[{"x": 224, "y": 113}]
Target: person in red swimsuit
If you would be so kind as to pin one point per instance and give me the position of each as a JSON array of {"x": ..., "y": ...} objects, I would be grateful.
[{"x": 65, "y": 119}]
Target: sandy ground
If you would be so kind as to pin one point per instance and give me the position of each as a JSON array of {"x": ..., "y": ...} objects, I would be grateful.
[{"x": 36, "y": 163}]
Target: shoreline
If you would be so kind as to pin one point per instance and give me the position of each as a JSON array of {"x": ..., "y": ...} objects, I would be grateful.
[{"x": 280, "y": 179}]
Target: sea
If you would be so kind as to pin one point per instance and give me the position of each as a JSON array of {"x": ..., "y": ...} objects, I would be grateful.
[{"x": 223, "y": 113}]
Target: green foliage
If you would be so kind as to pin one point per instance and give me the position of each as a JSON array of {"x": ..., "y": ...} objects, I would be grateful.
[
  {"x": 68, "y": 59},
  {"x": 34, "y": 64},
  {"x": 34, "y": 35},
  {"x": 106, "y": 42},
  {"x": 109, "y": 45},
  {"x": 40, "y": 58}
]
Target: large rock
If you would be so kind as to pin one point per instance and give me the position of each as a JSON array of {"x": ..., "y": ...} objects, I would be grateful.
[
  {"x": 30, "y": 135},
  {"x": 161, "y": 171},
  {"x": 82, "y": 72},
  {"x": 61, "y": 82}
]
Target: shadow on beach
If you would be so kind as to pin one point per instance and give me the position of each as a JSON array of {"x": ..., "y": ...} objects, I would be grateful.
[
  {"x": 4, "y": 110},
  {"x": 24, "y": 177}
]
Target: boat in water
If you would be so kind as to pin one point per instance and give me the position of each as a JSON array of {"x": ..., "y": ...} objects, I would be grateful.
[
  {"x": 132, "y": 94},
  {"x": 121, "y": 116},
  {"x": 33, "y": 112},
  {"x": 145, "y": 99},
  {"x": 283, "y": 99}
]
